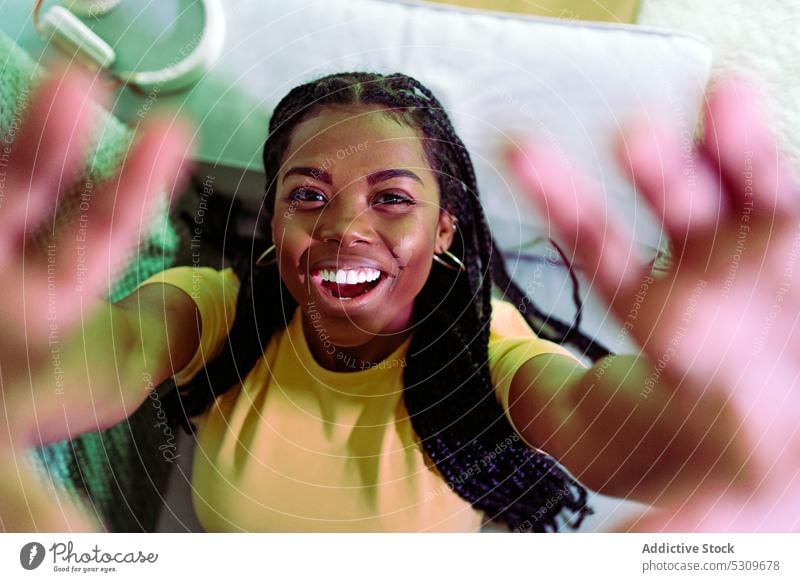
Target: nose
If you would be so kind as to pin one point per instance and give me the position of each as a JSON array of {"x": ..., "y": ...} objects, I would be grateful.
[{"x": 344, "y": 221}]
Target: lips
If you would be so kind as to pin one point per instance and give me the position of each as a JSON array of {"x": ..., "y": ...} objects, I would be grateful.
[
  {"x": 341, "y": 295},
  {"x": 348, "y": 281},
  {"x": 341, "y": 290}
]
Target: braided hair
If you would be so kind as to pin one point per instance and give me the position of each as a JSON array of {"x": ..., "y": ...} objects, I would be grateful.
[{"x": 447, "y": 385}]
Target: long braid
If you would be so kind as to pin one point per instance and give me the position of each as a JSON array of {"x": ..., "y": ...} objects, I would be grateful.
[{"x": 447, "y": 385}]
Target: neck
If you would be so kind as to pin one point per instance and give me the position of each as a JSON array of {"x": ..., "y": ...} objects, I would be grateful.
[{"x": 360, "y": 357}]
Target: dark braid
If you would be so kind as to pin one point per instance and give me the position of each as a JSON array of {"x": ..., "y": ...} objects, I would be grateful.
[{"x": 447, "y": 384}]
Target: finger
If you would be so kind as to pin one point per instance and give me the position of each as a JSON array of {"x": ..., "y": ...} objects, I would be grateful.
[
  {"x": 680, "y": 187},
  {"x": 119, "y": 212},
  {"x": 47, "y": 153},
  {"x": 28, "y": 506},
  {"x": 576, "y": 212},
  {"x": 740, "y": 143}
]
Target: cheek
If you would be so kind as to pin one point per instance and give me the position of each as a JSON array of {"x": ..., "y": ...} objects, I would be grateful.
[
  {"x": 414, "y": 255},
  {"x": 291, "y": 240},
  {"x": 414, "y": 242},
  {"x": 406, "y": 249}
]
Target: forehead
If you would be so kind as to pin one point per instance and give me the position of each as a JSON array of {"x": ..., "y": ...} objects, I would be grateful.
[{"x": 340, "y": 136}]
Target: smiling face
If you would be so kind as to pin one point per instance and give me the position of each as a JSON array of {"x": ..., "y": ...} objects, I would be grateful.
[{"x": 356, "y": 222}]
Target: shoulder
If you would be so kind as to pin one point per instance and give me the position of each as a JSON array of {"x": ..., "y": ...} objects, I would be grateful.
[
  {"x": 214, "y": 293},
  {"x": 512, "y": 342},
  {"x": 509, "y": 325},
  {"x": 507, "y": 321},
  {"x": 210, "y": 289},
  {"x": 192, "y": 278}
]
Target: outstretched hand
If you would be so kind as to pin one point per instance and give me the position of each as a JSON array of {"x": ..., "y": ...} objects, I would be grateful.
[
  {"x": 44, "y": 288},
  {"x": 723, "y": 317},
  {"x": 47, "y": 294}
]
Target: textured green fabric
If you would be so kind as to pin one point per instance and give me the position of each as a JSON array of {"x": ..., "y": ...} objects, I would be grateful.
[{"x": 119, "y": 472}]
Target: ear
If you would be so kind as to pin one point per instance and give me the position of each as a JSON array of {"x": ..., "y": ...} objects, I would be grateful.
[{"x": 445, "y": 230}]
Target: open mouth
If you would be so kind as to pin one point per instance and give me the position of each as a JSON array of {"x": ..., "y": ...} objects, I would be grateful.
[{"x": 348, "y": 284}]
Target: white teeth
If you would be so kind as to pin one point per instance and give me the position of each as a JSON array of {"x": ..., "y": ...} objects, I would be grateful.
[{"x": 350, "y": 276}]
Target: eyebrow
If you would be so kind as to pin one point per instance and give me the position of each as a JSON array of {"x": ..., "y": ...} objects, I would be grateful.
[
  {"x": 315, "y": 173},
  {"x": 386, "y": 175},
  {"x": 372, "y": 179}
]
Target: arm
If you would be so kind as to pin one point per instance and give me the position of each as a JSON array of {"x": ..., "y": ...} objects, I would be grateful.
[
  {"x": 720, "y": 323},
  {"x": 622, "y": 430},
  {"x": 108, "y": 366}
]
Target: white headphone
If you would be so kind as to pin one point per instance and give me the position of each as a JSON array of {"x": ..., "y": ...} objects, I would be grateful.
[{"x": 67, "y": 32}]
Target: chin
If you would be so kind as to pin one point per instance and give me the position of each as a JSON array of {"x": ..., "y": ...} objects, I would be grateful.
[{"x": 345, "y": 332}]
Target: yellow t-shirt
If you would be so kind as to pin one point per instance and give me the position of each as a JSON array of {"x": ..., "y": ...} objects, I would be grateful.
[{"x": 297, "y": 447}]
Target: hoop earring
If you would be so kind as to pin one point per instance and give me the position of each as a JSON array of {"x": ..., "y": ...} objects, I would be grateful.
[
  {"x": 453, "y": 258},
  {"x": 261, "y": 262}
]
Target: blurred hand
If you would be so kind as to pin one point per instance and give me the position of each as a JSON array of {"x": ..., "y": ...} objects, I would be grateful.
[
  {"x": 48, "y": 293},
  {"x": 723, "y": 317},
  {"x": 27, "y": 505}
]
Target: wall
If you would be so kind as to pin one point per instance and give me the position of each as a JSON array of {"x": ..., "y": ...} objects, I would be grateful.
[{"x": 758, "y": 38}]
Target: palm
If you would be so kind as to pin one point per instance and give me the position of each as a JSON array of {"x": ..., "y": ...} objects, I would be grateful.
[
  {"x": 722, "y": 306},
  {"x": 723, "y": 316}
]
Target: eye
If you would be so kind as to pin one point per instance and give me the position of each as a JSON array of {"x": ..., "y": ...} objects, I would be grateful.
[
  {"x": 306, "y": 195},
  {"x": 392, "y": 198}
]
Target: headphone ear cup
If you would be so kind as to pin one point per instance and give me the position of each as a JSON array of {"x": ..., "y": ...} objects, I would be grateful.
[{"x": 62, "y": 28}]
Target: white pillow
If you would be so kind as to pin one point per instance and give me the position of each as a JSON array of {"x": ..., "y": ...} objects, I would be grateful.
[{"x": 572, "y": 82}]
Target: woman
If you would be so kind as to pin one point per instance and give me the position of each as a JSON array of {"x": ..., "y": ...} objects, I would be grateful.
[{"x": 367, "y": 180}]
